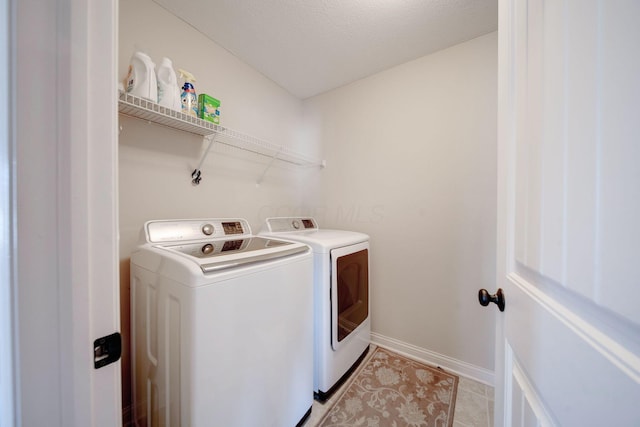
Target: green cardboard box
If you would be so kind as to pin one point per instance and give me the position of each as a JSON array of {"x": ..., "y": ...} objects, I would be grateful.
[{"x": 209, "y": 108}]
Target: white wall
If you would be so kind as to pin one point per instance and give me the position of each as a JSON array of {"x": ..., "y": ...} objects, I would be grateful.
[
  {"x": 155, "y": 162},
  {"x": 414, "y": 143},
  {"x": 411, "y": 155}
]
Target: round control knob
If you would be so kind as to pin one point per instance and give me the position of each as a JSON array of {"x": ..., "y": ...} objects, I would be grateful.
[
  {"x": 207, "y": 249},
  {"x": 207, "y": 229},
  {"x": 295, "y": 224}
]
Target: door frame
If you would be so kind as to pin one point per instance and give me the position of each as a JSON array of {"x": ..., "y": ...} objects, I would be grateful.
[
  {"x": 71, "y": 198},
  {"x": 7, "y": 282},
  {"x": 505, "y": 172}
]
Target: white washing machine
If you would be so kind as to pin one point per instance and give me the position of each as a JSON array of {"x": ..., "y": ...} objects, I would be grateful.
[
  {"x": 222, "y": 330},
  {"x": 341, "y": 297}
]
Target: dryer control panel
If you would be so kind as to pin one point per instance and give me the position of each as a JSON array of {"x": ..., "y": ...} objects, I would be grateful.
[
  {"x": 194, "y": 229},
  {"x": 277, "y": 225}
]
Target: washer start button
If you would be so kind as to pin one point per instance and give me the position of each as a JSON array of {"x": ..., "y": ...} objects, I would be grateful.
[{"x": 207, "y": 229}]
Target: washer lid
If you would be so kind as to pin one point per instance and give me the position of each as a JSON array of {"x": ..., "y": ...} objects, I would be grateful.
[{"x": 215, "y": 255}]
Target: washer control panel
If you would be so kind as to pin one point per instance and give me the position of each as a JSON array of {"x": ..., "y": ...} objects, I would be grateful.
[{"x": 186, "y": 230}]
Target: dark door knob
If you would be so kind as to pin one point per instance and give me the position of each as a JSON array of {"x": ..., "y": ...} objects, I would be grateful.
[{"x": 485, "y": 298}]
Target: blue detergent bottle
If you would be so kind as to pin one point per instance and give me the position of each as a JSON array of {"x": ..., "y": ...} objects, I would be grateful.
[{"x": 188, "y": 97}]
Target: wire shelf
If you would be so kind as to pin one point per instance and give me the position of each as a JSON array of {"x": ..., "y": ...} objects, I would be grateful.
[{"x": 147, "y": 110}]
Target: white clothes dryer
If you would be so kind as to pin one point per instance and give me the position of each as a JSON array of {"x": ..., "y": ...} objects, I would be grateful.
[
  {"x": 342, "y": 326},
  {"x": 222, "y": 331}
]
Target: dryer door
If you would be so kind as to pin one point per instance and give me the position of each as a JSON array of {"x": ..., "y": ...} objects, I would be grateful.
[{"x": 349, "y": 291}]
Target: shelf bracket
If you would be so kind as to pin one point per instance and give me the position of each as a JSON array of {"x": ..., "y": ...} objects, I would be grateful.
[
  {"x": 273, "y": 159},
  {"x": 196, "y": 175}
]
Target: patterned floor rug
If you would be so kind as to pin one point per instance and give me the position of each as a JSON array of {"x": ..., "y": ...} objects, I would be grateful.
[{"x": 394, "y": 391}]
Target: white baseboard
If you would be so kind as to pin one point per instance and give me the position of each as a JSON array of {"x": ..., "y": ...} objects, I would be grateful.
[{"x": 429, "y": 357}]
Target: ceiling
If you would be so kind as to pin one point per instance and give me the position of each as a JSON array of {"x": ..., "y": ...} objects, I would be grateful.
[{"x": 312, "y": 46}]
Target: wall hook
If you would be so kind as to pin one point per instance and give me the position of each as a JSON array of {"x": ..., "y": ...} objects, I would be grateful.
[{"x": 196, "y": 176}]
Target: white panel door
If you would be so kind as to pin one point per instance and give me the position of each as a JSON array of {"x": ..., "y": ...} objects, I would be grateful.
[{"x": 568, "y": 345}]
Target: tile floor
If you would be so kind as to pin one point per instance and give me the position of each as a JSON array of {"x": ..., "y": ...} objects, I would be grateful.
[{"x": 474, "y": 404}]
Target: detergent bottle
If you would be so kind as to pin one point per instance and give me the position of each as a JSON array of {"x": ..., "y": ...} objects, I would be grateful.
[
  {"x": 168, "y": 89},
  {"x": 188, "y": 97},
  {"x": 141, "y": 79}
]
